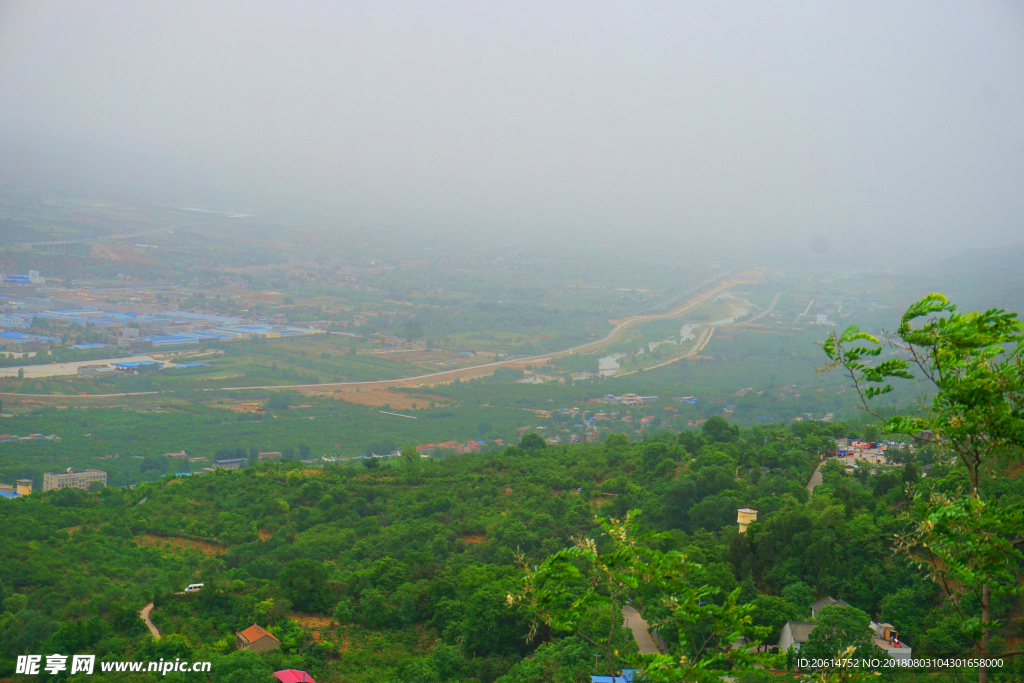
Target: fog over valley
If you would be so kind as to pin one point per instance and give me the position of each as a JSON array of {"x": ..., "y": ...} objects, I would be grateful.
[
  {"x": 696, "y": 124},
  {"x": 453, "y": 342}
]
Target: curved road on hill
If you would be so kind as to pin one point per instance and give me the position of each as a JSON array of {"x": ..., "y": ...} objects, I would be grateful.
[
  {"x": 145, "y": 617},
  {"x": 641, "y": 631},
  {"x": 816, "y": 479}
]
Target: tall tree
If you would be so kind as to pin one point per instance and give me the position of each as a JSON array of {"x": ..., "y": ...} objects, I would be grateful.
[
  {"x": 973, "y": 362},
  {"x": 565, "y": 590},
  {"x": 835, "y": 630}
]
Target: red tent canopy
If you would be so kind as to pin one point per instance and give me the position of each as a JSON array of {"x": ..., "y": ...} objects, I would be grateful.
[{"x": 293, "y": 676}]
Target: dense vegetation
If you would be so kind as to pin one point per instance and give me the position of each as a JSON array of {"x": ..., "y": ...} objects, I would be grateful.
[{"x": 401, "y": 573}]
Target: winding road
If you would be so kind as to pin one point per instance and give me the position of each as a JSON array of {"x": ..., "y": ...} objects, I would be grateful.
[
  {"x": 768, "y": 310},
  {"x": 632, "y": 620},
  {"x": 446, "y": 376},
  {"x": 145, "y": 617},
  {"x": 816, "y": 479}
]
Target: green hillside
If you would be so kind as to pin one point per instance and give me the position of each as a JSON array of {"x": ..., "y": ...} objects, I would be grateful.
[{"x": 401, "y": 572}]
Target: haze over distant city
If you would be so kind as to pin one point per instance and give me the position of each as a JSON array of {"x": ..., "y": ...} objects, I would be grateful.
[{"x": 842, "y": 127}]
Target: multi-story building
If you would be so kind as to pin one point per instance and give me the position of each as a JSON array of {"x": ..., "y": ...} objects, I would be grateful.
[
  {"x": 73, "y": 479},
  {"x": 230, "y": 464}
]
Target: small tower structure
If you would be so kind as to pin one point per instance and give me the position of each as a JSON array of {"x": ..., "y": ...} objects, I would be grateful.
[{"x": 745, "y": 517}]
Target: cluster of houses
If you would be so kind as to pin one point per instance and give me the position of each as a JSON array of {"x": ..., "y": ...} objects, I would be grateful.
[
  {"x": 851, "y": 451},
  {"x": 14, "y": 438},
  {"x": 128, "y": 326},
  {"x": 458, "y": 446},
  {"x": 884, "y": 636},
  {"x": 53, "y": 481},
  {"x": 630, "y": 399}
]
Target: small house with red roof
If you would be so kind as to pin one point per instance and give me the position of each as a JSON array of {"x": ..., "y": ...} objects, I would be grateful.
[{"x": 256, "y": 639}]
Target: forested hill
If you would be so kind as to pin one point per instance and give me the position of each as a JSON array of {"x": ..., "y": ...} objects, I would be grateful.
[{"x": 401, "y": 573}]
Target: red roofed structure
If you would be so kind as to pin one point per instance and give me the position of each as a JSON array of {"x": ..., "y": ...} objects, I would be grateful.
[
  {"x": 293, "y": 676},
  {"x": 256, "y": 639}
]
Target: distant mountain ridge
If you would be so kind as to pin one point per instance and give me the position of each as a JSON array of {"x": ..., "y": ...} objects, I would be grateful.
[{"x": 977, "y": 279}]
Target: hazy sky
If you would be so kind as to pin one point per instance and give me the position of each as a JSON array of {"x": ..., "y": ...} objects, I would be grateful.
[{"x": 862, "y": 121}]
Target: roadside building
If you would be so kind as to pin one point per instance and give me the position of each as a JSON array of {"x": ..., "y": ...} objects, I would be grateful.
[
  {"x": 887, "y": 639},
  {"x": 23, "y": 487},
  {"x": 256, "y": 639},
  {"x": 73, "y": 479},
  {"x": 794, "y": 634},
  {"x": 230, "y": 464},
  {"x": 138, "y": 367},
  {"x": 884, "y": 636},
  {"x": 19, "y": 341},
  {"x": 269, "y": 455},
  {"x": 96, "y": 371}
]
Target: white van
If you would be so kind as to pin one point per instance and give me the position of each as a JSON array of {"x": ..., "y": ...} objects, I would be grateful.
[{"x": 193, "y": 587}]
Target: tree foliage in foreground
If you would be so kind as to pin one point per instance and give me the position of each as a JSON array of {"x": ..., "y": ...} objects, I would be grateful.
[
  {"x": 973, "y": 363},
  {"x": 561, "y": 592}
]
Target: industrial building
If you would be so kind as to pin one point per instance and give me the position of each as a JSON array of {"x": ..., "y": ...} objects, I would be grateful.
[{"x": 23, "y": 487}]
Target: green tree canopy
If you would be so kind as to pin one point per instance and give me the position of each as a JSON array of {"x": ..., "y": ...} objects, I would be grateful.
[
  {"x": 835, "y": 630},
  {"x": 974, "y": 366},
  {"x": 304, "y": 582},
  {"x": 718, "y": 430},
  {"x": 532, "y": 440}
]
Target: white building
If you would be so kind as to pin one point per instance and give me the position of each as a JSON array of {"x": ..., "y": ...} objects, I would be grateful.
[
  {"x": 884, "y": 636},
  {"x": 73, "y": 479}
]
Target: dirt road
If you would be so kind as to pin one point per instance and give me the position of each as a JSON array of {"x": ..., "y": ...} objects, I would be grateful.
[
  {"x": 487, "y": 369},
  {"x": 447, "y": 376},
  {"x": 768, "y": 310},
  {"x": 145, "y": 617},
  {"x": 632, "y": 620},
  {"x": 816, "y": 479}
]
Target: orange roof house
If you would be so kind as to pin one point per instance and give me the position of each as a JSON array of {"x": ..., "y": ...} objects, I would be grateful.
[{"x": 256, "y": 639}]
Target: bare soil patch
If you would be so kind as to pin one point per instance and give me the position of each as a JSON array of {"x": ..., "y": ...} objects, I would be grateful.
[
  {"x": 120, "y": 253},
  {"x": 424, "y": 357},
  {"x": 316, "y": 623},
  {"x": 154, "y": 541},
  {"x": 473, "y": 538},
  {"x": 379, "y": 397},
  {"x": 239, "y": 407},
  {"x": 264, "y": 535}
]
